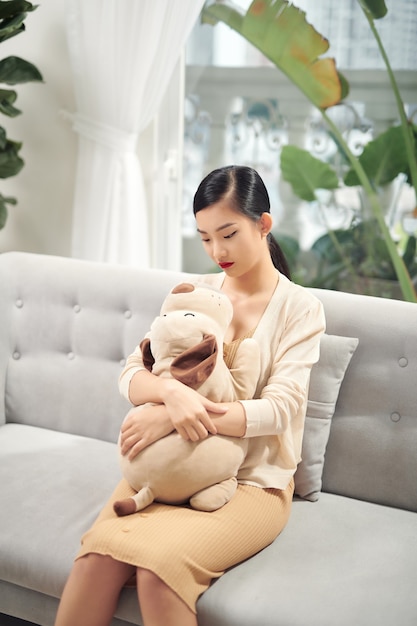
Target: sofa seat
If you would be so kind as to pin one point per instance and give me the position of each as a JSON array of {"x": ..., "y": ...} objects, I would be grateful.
[
  {"x": 66, "y": 480},
  {"x": 342, "y": 552}
]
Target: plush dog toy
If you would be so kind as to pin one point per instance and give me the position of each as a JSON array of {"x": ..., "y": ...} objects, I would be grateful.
[{"x": 186, "y": 342}]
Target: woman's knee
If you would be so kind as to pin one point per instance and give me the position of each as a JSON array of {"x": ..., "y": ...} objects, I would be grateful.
[
  {"x": 160, "y": 604},
  {"x": 93, "y": 561},
  {"x": 98, "y": 566},
  {"x": 148, "y": 580}
]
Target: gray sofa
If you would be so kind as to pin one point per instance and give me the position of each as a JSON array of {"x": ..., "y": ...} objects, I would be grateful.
[{"x": 349, "y": 553}]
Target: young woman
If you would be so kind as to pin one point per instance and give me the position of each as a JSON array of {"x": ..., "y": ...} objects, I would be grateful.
[{"x": 174, "y": 553}]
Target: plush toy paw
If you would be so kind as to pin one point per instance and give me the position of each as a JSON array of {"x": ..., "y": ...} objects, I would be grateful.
[{"x": 215, "y": 496}]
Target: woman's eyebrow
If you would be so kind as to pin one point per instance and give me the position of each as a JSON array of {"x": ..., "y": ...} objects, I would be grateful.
[{"x": 203, "y": 232}]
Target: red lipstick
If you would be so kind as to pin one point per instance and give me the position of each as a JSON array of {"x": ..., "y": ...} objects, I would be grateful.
[{"x": 224, "y": 266}]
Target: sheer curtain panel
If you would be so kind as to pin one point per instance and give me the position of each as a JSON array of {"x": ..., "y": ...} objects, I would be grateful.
[{"x": 123, "y": 53}]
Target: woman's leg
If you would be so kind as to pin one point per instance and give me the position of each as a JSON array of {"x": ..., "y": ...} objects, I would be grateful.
[
  {"x": 159, "y": 604},
  {"x": 92, "y": 591}
]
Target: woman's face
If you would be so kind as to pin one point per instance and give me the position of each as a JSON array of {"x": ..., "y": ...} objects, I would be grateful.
[{"x": 233, "y": 241}]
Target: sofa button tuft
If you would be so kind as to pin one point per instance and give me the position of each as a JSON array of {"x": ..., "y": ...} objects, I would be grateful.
[
  {"x": 128, "y": 314},
  {"x": 71, "y": 356},
  {"x": 122, "y": 362},
  {"x": 403, "y": 361},
  {"x": 16, "y": 355},
  {"x": 395, "y": 417},
  {"x": 19, "y": 303},
  {"x": 77, "y": 308}
]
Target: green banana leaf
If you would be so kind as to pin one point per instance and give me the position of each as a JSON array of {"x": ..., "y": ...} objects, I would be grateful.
[
  {"x": 280, "y": 31},
  {"x": 409, "y": 256},
  {"x": 305, "y": 173},
  {"x": 383, "y": 158}
]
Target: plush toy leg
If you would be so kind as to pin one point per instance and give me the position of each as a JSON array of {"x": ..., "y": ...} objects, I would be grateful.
[
  {"x": 124, "y": 507},
  {"x": 142, "y": 499},
  {"x": 214, "y": 497}
]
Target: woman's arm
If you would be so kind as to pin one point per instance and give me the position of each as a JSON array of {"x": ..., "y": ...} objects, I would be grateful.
[
  {"x": 144, "y": 425},
  {"x": 233, "y": 422},
  {"x": 187, "y": 409},
  {"x": 285, "y": 385},
  {"x": 176, "y": 407},
  {"x": 139, "y": 385},
  {"x": 146, "y": 387},
  {"x": 193, "y": 416}
]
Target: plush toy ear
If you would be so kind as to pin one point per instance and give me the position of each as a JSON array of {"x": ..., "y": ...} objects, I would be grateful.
[
  {"x": 183, "y": 288},
  {"x": 195, "y": 365},
  {"x": 147, "y": 356}
]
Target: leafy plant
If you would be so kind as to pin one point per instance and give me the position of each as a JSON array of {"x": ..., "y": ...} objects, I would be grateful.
[
  {"x": 370, "y": 265},
  {"x": 13, "y": 71},
  {"x": 280, "y": 31}
]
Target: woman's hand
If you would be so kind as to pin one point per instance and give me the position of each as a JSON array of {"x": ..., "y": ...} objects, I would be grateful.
[
  {"x": 183, "y": 410},
  {"x": 189, "y": 411},
  {"x": 142, "y": 426}
]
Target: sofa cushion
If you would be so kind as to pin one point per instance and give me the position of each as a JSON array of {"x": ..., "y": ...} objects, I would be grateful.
[
  {"x": 325, "y": 382},
  {"x": 55, "y": 483},
  {"x": 340, "y": 562}
]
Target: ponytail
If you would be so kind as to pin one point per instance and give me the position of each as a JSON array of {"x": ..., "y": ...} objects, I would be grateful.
[{"x": 278, "y": 257}]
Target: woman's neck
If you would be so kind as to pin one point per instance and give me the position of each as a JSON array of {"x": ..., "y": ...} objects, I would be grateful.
[
  {"x": 258, "y": 280},
  {"x": 250, "y": 295}
]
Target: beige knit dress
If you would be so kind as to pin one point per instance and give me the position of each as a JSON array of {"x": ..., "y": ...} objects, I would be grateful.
[{"x": 187, "y": 549}]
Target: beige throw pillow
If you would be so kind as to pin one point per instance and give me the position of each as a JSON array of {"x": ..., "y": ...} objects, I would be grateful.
[{"x": 326, "y": 379}]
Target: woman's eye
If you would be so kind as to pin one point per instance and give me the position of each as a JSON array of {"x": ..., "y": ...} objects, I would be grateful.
[{"x": 231, "y": 235}]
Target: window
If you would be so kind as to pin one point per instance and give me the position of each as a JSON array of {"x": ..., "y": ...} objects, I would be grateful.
[{"x": 239, "y": 108}]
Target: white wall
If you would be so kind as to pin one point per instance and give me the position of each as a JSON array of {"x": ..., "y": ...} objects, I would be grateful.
[{"x": 41, "y": 221}]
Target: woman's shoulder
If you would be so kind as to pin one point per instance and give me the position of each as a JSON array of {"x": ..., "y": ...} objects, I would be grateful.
[{"x": 296, "y": 295}]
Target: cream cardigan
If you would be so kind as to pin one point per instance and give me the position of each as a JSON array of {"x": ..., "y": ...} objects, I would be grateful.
[{"x": 289, "y": 337}]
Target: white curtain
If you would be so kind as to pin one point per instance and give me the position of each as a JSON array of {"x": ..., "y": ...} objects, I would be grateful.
[{"x": 123, "y": 53}]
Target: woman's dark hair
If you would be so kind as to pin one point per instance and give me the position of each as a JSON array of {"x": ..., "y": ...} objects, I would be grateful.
[{"x": 245, "y": 190}]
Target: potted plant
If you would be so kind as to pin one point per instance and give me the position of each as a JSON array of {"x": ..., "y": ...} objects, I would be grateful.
[
  {"x": 13, "y": 71},
  {"x": 280, "y": 31}
]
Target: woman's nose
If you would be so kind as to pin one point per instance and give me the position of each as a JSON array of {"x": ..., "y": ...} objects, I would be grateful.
[{"x": 219, "y": 251}]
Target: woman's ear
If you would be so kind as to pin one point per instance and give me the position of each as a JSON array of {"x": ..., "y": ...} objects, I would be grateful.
[{"x": 265, "y": 223}]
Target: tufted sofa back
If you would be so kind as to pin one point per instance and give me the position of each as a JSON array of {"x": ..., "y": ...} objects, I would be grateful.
[
  {"x": 371, "y": 453},
  {"x": 67, "y": 328}
]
